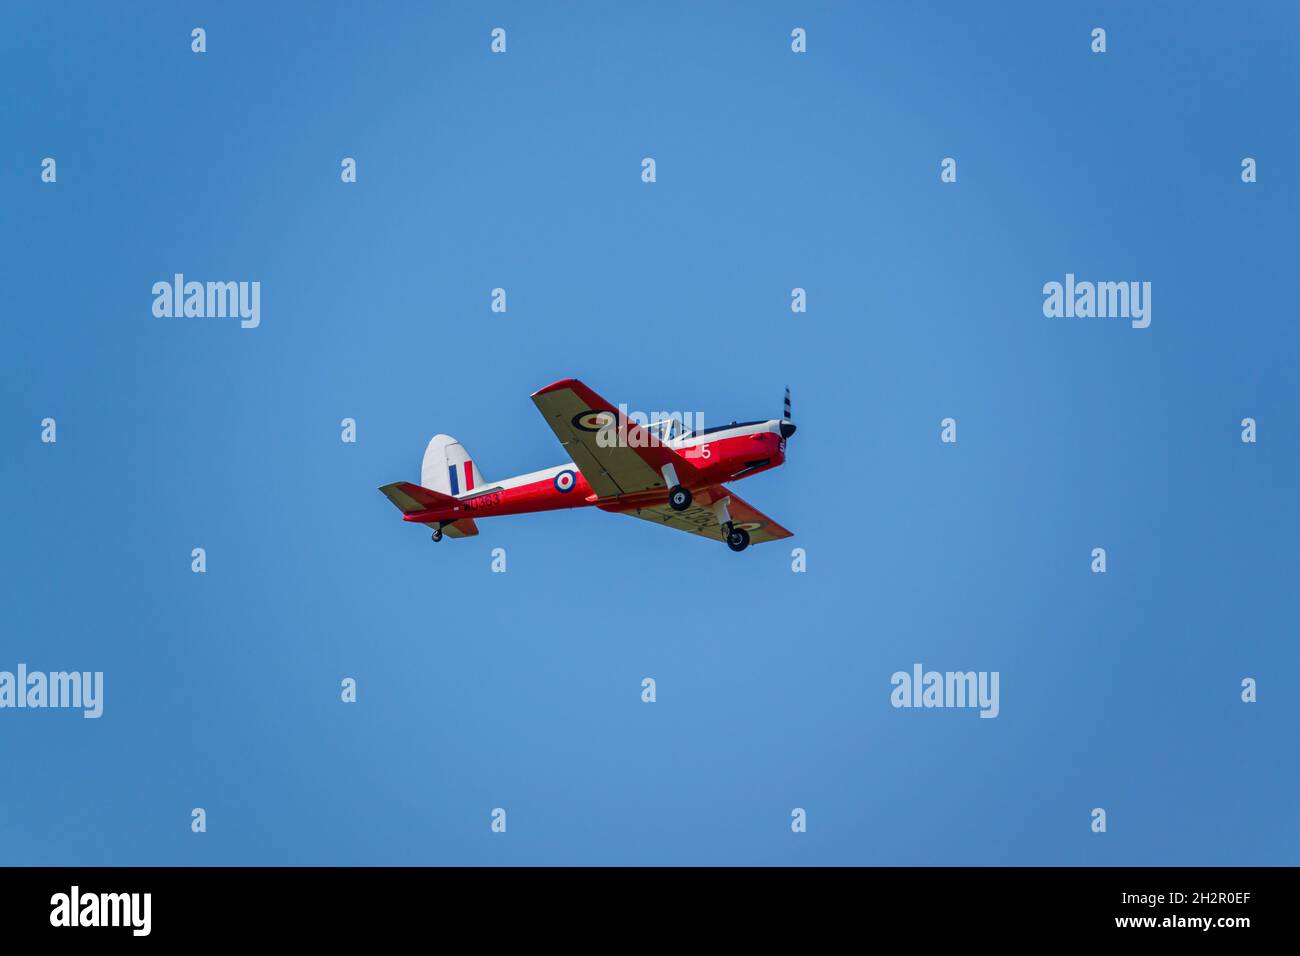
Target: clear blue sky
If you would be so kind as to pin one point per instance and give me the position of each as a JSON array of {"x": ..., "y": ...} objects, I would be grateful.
[{"x": 522, "y": 690}]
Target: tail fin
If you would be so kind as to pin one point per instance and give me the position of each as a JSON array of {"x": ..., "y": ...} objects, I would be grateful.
[{"x": 448, "y": 468}]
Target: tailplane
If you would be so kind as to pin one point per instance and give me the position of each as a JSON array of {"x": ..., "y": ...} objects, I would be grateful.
[
  {"x": 463, "y": 528},
  {"x": 412, "y": 499}
]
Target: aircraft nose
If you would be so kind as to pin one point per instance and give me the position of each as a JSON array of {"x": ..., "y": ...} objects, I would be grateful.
[{"x": 787, "y": 429}]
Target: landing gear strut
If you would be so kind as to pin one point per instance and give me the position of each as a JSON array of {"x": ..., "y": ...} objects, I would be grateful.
[
  {"x": 679, "y": 499},
  {"x": 737, "y": 538}
]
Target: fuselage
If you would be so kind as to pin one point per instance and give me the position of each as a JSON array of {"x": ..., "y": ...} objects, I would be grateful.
[{"x": 725, "y": 453}]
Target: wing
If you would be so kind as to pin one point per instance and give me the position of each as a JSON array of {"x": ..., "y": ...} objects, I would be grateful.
[
  {"x": 700, "y": 519},
  {"x": 578, "y": 416}
]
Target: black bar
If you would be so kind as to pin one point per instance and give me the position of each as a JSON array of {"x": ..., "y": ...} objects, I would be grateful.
[{"x": 206, "y": 905}]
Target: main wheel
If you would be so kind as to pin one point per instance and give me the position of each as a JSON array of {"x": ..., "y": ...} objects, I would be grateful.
[
  {"x": 679, "y": 499},
  {"x": 738, "y": 539},
  {"x": 437, "y": 534}
]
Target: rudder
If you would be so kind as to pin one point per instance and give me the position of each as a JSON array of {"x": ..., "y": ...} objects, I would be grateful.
[{"x": 448, "y": 468}]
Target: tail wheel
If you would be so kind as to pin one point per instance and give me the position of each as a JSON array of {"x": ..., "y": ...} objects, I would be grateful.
[
  {"x": 738, "y": 539},
  {"x": 679, "y": 499},
  {"x": 437, "y": 534}
]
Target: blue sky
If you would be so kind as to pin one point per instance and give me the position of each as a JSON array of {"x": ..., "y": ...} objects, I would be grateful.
[{"x": 522, "y": 690}]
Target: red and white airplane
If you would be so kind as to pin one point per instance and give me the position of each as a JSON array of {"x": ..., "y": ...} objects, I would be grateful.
[{"x": 660, "y": 472}]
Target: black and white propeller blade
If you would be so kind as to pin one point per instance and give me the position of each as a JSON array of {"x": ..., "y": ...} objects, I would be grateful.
[{"x": 787, "y": 426}]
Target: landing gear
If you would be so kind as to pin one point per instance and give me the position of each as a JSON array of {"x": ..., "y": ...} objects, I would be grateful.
[
  {"x": 437, "y": 534},
  {"x": 679, "y": 499},
  {"x": 737, "y": 539}
]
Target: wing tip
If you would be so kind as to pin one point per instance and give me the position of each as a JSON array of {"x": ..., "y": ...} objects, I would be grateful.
[{"x": 556, "y": 386}]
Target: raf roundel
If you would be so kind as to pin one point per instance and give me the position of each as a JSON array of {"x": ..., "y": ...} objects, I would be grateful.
[
  {"x": 565, "y": 481},
  {"x": 594, "y": 421}
]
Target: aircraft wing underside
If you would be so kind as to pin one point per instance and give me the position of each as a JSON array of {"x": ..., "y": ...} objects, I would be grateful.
[{"x": 700, "y": 519}]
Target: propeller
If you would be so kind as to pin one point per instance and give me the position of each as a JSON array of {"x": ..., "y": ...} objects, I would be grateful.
[{"x": 787, "y": 426}]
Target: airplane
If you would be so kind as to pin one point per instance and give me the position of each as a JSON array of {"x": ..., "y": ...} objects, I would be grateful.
[{"x": 660, "y": 472}]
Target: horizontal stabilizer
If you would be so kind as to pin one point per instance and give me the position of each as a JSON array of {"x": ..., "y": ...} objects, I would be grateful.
[
  {"x": 411, "y": 498},
  {"x": 460, "y": 528}
]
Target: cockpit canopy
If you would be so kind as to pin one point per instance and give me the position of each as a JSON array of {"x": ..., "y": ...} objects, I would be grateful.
[{"x": 667, "y": 429}]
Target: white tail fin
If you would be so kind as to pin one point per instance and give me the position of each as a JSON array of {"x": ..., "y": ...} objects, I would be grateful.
[{"x": 448, "y": 468}]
